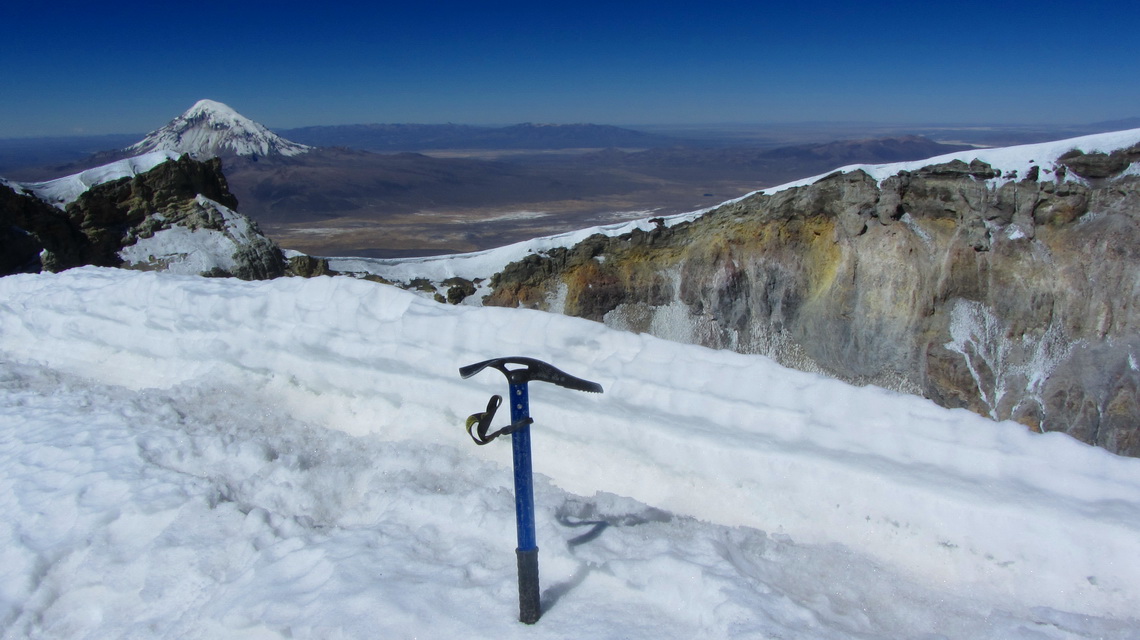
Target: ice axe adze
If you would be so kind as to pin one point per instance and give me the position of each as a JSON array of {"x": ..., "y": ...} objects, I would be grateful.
[{"x": 519, "y": 430}]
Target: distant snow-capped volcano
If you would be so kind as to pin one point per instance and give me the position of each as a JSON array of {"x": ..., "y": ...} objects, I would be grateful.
[{"x": 211, "y": 129}]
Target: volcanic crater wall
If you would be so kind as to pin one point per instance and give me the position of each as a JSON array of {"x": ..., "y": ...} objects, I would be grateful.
[{"x": 1016, "y": 298}]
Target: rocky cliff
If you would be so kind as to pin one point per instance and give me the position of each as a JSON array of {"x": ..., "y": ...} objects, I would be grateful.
[
  {"x": 177, "y": 216},
  {"x": 35, "y": 236},
  {"x": 1017, "y": 297}
]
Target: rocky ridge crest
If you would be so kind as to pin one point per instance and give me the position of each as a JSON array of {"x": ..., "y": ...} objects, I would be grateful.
[
  {"x": 1019, "y": 301},
  {"x": 102, "y": 224}
]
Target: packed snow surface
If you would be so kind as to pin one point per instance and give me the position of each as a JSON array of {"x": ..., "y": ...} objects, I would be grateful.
[{"x": 185, "y": 457}]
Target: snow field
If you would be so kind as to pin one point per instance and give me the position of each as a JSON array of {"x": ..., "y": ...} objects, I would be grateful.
[
  {"x": 297, "y": 447},
  {"x": 192, "y": 513}
]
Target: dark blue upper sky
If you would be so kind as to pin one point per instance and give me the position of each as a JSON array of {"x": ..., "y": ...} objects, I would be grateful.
[{"x": 130, "y": 67}]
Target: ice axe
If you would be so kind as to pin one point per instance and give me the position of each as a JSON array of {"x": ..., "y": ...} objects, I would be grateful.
[{"x": 478, "y": 426}]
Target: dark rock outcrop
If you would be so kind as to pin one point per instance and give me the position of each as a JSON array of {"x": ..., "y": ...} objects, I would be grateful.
[
  {"x": 305, "y": 266},
  {"x": 1095, "y": 166},
  {"x": 35, "y": 236},
  {"x": 113, "y": 214},
  {"x": 458, "y": 289},
  {"x": 109, "y": 218},
  {"x": 1019, "y": 301}
]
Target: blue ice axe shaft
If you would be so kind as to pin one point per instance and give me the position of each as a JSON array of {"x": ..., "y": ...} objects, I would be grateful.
[
  {"x": 527, "y": 550},
  {"x": 530, "y": 607}
]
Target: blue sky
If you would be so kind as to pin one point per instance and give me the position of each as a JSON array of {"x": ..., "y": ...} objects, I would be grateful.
[{"x": 91, "y": 68}]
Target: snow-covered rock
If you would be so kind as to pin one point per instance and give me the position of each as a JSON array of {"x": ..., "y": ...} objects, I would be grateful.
[
  {"x": 61, "y": 192},
  {"x": 202, "y": 238},
  {"x": 173, "y": 214}
]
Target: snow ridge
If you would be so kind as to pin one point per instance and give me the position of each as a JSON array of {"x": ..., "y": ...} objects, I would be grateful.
[
  {"x": 1012, "y": 163},
  {"x": 62, "y": 191},
  {"x": 211, "y": 129}
]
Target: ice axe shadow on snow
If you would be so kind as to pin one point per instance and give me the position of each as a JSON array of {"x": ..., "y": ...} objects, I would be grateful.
[
  {"x": 478, "y": 427},
  {"x": 575, "y": 513}
]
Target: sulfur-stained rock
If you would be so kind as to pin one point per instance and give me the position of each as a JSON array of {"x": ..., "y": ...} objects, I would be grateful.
[{"x": 1019, "y": 301}]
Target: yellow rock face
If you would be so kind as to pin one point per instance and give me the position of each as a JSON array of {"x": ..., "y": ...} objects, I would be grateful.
[{"x": 1020, "y": 302}]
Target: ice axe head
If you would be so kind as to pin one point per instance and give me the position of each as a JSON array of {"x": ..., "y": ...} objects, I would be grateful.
[{"x": 532, "y": 371}]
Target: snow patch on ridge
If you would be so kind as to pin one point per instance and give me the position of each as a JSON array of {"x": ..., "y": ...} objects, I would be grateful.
[
  {"x": 61, "y": 192},
  {"x": 1010, "y": 162},
  {"x": 482, "y": 264}
]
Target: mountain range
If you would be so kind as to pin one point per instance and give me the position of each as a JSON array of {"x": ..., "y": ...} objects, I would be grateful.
[
  {"x": 345, "y": 200},
  {"x": 424, "y": 137}
]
